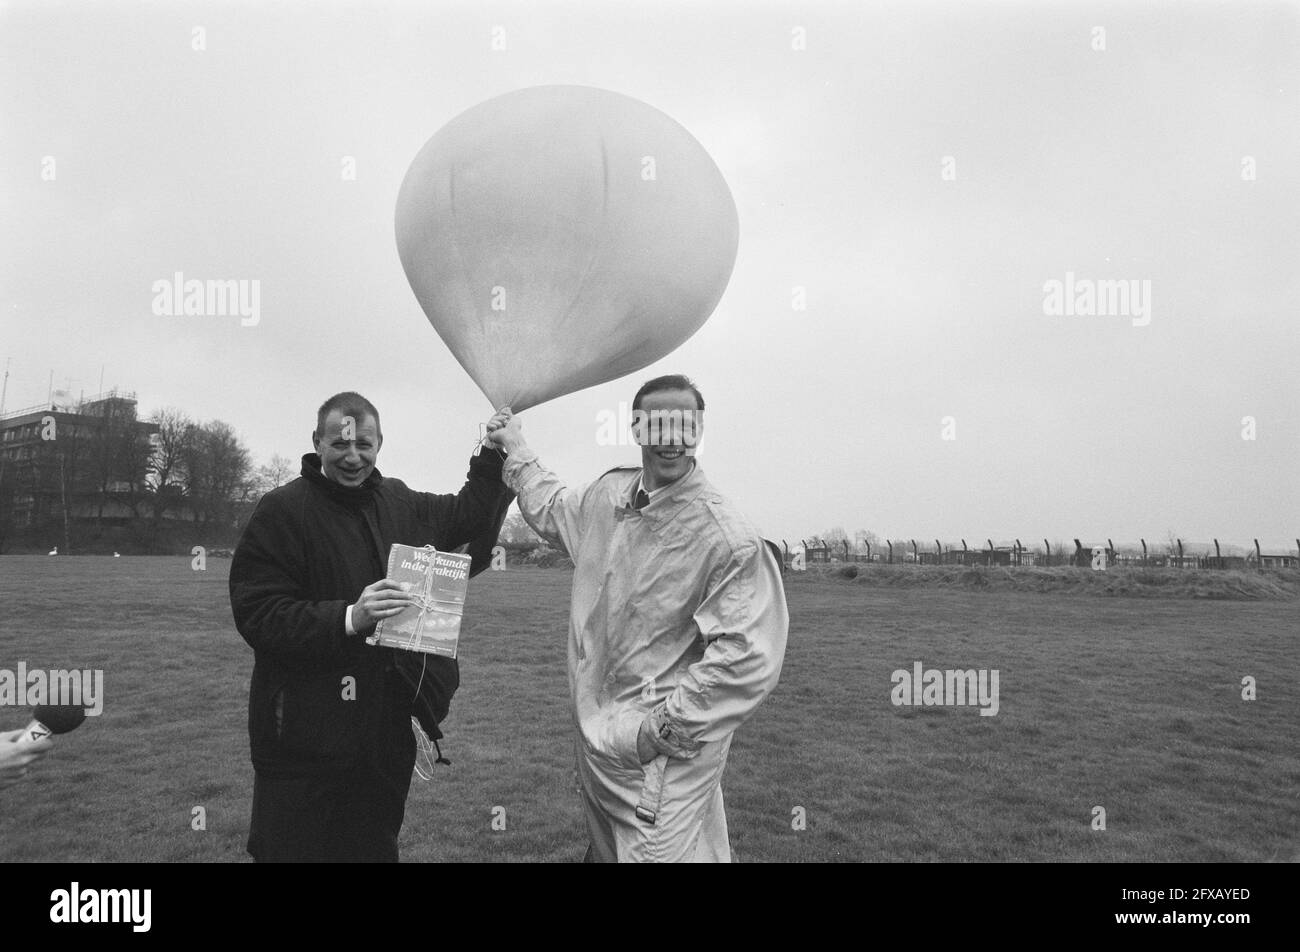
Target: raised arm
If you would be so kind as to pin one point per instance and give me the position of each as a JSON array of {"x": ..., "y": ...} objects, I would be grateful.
[
  {"x": 552, "y": 509},
  {"x": 473, "y": 515}
]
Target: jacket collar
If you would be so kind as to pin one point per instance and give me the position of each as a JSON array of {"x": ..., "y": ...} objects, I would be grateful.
[
  {"x": 311, "y": 471},
  {"x": 665, "y": 505}
]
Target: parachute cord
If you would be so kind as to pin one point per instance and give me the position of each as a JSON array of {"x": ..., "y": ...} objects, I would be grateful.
[
  {"x": 422, "y": 739},
  {"x": 423, "y": 766}
]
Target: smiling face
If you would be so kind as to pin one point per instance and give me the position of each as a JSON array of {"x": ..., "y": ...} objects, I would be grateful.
[
  {"x": 668, "y": 427},
  {"x": 348, "y": 447}
]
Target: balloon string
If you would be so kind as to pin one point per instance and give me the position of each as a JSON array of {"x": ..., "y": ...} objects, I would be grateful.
[
  {"x": 478, "y": 446},
  {"x": 422, "y": 742}
]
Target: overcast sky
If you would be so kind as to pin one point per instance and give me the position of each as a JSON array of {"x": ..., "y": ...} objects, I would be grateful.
[{"x": 1163, "y": 149}]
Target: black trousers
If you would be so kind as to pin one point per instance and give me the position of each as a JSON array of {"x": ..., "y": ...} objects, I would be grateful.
[{"x": 329, "y": 819}]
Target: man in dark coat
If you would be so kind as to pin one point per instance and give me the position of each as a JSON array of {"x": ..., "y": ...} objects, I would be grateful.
[{"x": 329, "y": 717}]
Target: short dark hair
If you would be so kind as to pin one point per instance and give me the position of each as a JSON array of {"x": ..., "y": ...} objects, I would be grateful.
[
  {"x": 349, "y": 403},
  {"x": 668, "y": 382}
]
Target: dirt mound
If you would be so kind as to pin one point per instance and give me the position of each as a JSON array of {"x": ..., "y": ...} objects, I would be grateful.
[{"x": 1231, "y": 584}]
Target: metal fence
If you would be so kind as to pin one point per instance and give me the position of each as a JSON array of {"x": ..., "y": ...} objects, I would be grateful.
[{"x": 1083, "y": 555}]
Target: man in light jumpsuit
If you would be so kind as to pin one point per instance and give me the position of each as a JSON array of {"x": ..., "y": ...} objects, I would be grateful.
[{"x": 677, "y": 630}]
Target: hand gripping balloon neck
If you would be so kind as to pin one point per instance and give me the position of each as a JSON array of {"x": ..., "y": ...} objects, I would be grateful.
[
  {"x": 485, "y": 430},
  {"x": 483, "y": 441}
]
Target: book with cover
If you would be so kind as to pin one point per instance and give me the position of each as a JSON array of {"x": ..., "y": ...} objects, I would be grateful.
[{"x": 439, "y": 581}]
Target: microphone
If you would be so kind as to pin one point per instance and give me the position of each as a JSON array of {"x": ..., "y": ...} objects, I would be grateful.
[{"x": 50, "y": 719}]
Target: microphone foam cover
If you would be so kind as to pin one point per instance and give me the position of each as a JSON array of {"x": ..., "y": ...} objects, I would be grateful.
[{"x": 60, "y": 718}]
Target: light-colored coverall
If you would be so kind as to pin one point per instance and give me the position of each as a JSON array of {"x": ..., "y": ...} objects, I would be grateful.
[{"x": 678, "y": 614}]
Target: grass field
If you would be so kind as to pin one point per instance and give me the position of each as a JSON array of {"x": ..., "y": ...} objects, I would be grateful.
[{"x": 1132, "y": 704}]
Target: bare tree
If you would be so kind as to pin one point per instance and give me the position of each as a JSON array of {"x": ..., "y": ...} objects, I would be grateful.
[
  {"x": 515, "y": 532},
  {"x": 863, "y": 536},
  {"x": 169, "y": 449},
  {"x": 167, "y": 476},
  {"x": 274, "y": 474},
  {"x": 217, "y": 468}
]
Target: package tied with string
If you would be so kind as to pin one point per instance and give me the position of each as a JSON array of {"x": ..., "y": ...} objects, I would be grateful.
[
  {"x": 427, "y": 633},
  {"x": 437, "y": 582}
]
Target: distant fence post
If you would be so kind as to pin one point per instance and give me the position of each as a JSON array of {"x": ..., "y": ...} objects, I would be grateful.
[{"x": 1017, "y": 554}]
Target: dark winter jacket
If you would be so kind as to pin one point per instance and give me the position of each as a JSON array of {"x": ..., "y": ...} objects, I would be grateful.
[{"x": 322, "y": 701}]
